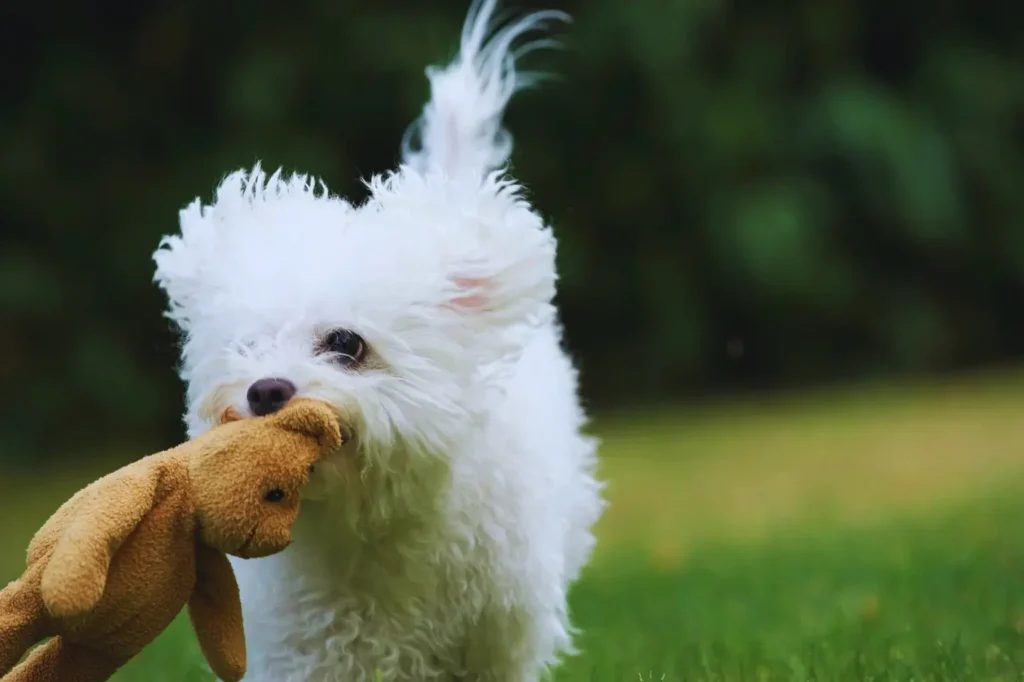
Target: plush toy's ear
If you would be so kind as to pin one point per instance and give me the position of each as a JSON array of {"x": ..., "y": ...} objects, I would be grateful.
[{"x": 311, "y": 418}]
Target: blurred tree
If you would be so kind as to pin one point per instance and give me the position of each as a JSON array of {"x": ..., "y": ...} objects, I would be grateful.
[{"x": 747, "y": 194}]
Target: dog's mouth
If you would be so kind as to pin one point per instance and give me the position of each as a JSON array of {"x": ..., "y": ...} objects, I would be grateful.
[
  {"x": 348, "y": 436},
  {"x": 230, "y": 414},
  {"x": 329, "y": 472}
]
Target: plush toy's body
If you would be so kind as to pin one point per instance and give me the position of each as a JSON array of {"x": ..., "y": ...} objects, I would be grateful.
[{"x": 118, "y": 561}]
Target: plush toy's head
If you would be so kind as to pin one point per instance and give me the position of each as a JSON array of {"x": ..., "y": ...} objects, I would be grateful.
[{"x": 247, "y": 479}]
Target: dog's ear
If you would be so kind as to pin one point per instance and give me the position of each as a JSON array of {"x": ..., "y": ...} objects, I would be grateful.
[
  {"x": 180, "y": 263},
  {"x": 508, "y": 276},
  {"x": 183, "y": 261},
  {"x": 504, "y": 298}
]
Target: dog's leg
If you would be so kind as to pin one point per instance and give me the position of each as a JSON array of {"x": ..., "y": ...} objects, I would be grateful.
[{"x": 515, "y": 644}]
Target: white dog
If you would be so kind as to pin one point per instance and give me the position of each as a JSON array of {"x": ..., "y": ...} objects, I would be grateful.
[{"x": 439, "y": 543}]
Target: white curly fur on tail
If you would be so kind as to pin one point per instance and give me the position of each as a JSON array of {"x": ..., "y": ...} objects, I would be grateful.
[{"x": 460, "y": 131}]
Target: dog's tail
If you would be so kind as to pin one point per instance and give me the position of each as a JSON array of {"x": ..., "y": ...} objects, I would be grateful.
[{"x": 460, "y": 131}]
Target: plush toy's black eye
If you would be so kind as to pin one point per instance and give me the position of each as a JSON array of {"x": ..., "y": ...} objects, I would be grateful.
[
  {"x": 346, "y": 345},
  {"x": 275, "y": 495}
]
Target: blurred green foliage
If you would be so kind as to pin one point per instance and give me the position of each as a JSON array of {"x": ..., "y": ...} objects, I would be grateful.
[{"x": 746, "y": 193}]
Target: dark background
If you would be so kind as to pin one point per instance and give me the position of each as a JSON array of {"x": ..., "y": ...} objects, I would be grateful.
[{"x": 749, "y": 195}]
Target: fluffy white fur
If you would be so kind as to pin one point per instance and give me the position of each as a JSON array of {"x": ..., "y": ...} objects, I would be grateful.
[{"x": 441, "y": 542}]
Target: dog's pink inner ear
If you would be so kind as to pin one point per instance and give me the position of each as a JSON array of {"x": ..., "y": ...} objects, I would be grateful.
[{"x": 474, "y": 298}]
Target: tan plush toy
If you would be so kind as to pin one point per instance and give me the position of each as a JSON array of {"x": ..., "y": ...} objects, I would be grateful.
[{"x": 118, "y": 561}]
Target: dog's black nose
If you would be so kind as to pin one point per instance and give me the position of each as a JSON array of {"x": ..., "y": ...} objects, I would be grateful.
[{"x": 269, "y": 395}]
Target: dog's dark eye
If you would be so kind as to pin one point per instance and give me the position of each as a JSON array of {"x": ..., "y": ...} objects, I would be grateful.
[
  {"x": 275, "y": 495},
  {"x": 348, "y": 346}
]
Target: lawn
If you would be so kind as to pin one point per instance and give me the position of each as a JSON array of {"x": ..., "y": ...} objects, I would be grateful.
[{"x": 869, "y": 534}]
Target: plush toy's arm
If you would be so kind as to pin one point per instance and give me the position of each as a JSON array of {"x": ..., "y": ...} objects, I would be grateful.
[
  {"x": 216, "y": 613},
  {"x": 76, "y": 573}
]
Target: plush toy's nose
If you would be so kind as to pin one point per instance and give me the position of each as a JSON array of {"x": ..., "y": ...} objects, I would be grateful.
[{"x": 269, "y": 395}]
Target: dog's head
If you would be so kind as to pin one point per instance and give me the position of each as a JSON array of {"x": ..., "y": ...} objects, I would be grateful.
[{"x": 402, "y": 313}]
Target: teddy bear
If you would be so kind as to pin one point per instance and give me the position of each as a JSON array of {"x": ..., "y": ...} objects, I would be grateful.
[{"x": 117, "y": 562}]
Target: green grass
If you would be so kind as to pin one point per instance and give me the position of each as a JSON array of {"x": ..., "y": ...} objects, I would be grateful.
[
  {"x": 940, "y": 600},
  {"x": 873, "y": 534}
]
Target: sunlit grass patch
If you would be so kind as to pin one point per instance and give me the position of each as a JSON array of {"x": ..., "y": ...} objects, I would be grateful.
[
  {"x": 862, "y": 535},
  {"x": 751, "y": 469}
]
